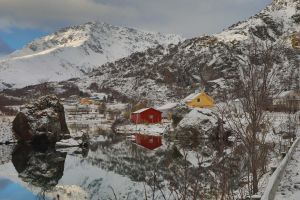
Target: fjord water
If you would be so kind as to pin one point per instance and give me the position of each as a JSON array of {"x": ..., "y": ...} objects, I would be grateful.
[
  {"x": 10, "y": 190},
  {"x": 113, "y": 165}
]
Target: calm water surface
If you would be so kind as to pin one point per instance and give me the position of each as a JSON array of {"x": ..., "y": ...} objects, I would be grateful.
[{"x": 110, "y": 166}]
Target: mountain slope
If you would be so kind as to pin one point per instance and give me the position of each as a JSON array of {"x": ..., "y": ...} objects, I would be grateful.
[
  {"x": 74, "y": 51},
  {"x": 168, "y": 73}
]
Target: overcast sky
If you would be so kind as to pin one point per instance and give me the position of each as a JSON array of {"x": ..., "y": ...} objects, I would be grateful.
[{"x": 23, "y": 20}]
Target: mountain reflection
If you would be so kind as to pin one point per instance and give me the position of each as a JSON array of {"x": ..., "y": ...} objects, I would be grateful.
[{"x": 41, "y": 168}]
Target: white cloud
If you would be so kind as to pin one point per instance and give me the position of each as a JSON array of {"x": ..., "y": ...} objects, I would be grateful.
[{"x": 186, "y": 17}]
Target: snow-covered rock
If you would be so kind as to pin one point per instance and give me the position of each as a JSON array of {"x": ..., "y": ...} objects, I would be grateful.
[
  {"x": 202, "y": 122},
  {"x": 199, "y": 118},
  {"x": 42, "y": 122}
]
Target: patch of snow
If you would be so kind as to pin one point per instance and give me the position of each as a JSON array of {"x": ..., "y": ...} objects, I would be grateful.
[
  {"x": 67, "y": 143},
  {"x": 6, "y": 133}
]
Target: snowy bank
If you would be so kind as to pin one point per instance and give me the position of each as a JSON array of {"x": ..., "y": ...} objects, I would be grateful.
[
  {"x": 6, "y": 134},
  {"x": 153, "y": 129},
  {"x": 275, "y": 179}
]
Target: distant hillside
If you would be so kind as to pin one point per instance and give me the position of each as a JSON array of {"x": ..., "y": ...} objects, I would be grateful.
[
  {"x": 75, "y": 51},
  {"x": 168, "y": 73}
]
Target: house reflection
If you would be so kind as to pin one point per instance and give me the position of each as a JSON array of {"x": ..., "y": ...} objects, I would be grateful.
[
  {"x": 148, "y": 141},
  {"x": 39, "y": 168}
]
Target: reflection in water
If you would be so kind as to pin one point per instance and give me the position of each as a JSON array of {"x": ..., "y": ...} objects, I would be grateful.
[
  {"x": 39, "y": 168},
  {"x": 112, "y": 164},
  {"x": 5, "y": 153},
  {"x": 148, "y": 141}
]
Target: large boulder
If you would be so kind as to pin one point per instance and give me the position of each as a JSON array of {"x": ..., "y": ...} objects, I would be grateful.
[
  {"x": 41, "y": 122},
  {"x": 200, "y": 123}
]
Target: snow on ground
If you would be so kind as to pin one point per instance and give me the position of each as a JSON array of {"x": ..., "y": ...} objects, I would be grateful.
[
  {"x": 289, "y": 188},
  {"x": 67, "y": 143},
  {"x": 196, "y": 158},
  {"x": 68, "y": 192},
  {"x": 153, "y": 129},
  {"x": 116, "y": 106},
  {"x": 6, "y": 133}
]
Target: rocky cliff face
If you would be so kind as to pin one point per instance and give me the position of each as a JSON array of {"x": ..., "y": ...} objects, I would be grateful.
[
  {"x": 42, "y": 122},
  {"x": 75, "y": 51},
  {"x": 168, "y": 73}
]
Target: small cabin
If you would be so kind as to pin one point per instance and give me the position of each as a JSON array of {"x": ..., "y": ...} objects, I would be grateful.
[
  {"x": 86, "y": 101},
  {"x": 287, "y": 101},
  {"x": 148, "y": 141},
  {"x": 199, "y": 100},
  {"x": 146, "y": 115}
]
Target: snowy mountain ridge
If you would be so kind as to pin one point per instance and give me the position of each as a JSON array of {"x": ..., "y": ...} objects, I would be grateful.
[
  {"x": 75, "y": 51},
  {"x": 169, "y": 73}
]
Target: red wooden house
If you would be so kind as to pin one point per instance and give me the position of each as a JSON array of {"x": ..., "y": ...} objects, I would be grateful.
[
  {"x": 148, "y": 141},
  {"x": 146, "y": 115}
]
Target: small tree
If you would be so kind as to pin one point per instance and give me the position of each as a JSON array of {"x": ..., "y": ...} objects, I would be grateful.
[
  {"x": 246, "y": 116},
  {"x": 44, "y": 86}
]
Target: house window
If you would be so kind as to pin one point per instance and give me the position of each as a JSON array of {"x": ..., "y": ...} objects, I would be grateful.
[
  {"x": 198, "y": 100},
  {"x": 151, "y": 116}
]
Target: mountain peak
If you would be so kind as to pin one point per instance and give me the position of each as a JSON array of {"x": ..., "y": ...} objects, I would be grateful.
[{"x": 76, "y": 50}]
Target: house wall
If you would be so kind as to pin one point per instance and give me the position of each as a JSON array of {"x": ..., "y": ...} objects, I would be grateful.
[
  {"x": 135, "y": 118},
  {"x": 148, "y": 116},
  {"x": 205, "y": 102},
  {"x": 151, "y": 116}
]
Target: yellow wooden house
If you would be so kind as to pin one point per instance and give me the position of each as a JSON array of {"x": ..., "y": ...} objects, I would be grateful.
[
  {"x": 86, "y": 101},
  {"x": 199, "y": 100}
]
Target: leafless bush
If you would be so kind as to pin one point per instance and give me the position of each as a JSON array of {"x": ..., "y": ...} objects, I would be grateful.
[{"x": 246, "y": 116}]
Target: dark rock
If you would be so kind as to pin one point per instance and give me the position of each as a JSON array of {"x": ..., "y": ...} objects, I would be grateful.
[{"x": 42, "y": 122}]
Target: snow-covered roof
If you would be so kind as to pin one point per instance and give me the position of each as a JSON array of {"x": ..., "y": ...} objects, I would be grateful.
[
  {"x": 191, "y": 97},
  {"x": 100, "y": 96},
  {"x": 167, "y": 106},
  {"x": 143, "y": 109}
]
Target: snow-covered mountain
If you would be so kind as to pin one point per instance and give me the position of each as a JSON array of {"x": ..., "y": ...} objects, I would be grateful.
[
  {"x": 74, "y": 51},
  {"x": 169, "y": 73}
]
